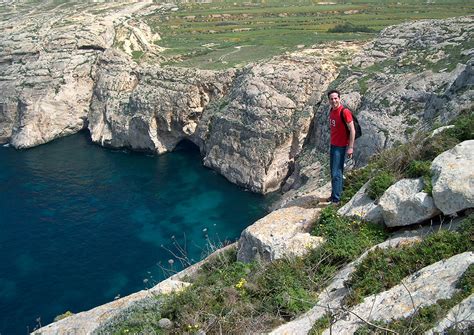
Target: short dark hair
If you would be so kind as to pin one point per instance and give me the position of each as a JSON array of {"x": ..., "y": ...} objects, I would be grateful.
[{"x": 334, "y": 91}]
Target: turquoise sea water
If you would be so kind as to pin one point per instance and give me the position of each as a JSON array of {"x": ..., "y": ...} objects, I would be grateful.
[{"x": 81, "y": 225}]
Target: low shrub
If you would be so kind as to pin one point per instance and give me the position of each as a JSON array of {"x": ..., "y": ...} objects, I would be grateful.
[
  {"x": 463, "y": 129},
  {"x": 380, "y": 183},
  {"x": 418, "y": 169},
  {"x": 285, "y": 289},
  {"x": 421, "y": 169},
  {"x": 348, "y": 27},
  {"x": 346, "y": 239},
  {"x": 354, "y": 181},
  {"x": 320, "y": 325}
]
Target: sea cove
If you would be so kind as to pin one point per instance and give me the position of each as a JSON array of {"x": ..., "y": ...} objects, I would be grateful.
[{"x": 81, "y": 225}]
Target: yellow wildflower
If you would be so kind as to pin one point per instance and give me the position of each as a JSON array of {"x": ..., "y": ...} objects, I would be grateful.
[{"x": 240, "y": 284}]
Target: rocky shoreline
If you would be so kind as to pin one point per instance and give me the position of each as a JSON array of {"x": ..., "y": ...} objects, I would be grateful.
[{"x": 262, "y": 126}]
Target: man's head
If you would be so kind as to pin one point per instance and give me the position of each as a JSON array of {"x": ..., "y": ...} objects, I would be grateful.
[{"x": 334, "y": 98}]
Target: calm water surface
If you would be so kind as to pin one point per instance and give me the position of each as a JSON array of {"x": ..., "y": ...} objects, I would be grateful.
[{"x": 81, "y": 225}]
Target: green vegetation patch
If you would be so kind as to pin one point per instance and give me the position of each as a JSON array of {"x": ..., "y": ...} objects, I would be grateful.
[
  {"x": 383, "y": 269},
  {"x": 380, "y": 183},
  {"x": 230, "y": 296},
  {"x": 137, "y": 54},
  {"x": 348, "y": 27},
  {"x": 141, "y": 319},
  {"x": 422, "y": 169},
  {"x": 320, "y": 325},
  {"x": 199, "y": 34},
  {"x": 345, "y": 238}
]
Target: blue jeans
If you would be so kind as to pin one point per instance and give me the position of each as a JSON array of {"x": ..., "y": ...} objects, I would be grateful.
[{"x": 336, "y": 164}]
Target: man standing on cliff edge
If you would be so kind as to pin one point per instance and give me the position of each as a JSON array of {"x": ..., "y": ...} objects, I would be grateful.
[{"x": 342, "y": 142}]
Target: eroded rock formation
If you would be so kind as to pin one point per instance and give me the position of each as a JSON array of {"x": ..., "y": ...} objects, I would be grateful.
[{"x": 75, "y": 69}]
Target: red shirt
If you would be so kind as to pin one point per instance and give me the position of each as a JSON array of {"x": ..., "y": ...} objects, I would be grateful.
[{"x": 339, "y": 133}]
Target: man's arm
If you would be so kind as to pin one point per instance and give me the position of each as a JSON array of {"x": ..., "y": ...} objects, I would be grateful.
[{"x": 352, "y": 134}]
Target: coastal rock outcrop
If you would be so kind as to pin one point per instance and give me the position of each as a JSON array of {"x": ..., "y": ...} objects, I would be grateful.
[
  {"x": 260, "y": 127},
  {"x": 282, "y": 233},
  {"x": 46, "y": 65},
  {"x": 453, "y": 178},
  {"x": 249, "y": 124},
  {"x": 150, "y": 108},
  {"x": 74, "y": 70}
]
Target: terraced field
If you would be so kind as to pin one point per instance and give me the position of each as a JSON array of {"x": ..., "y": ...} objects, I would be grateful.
[{"x": 227, "y": 33}]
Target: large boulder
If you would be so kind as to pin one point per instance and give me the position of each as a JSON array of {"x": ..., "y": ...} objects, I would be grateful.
[
  {"x": 423, "y": 288},
  {"x": 282, "y": 233},
  {"x": 453, "y": 178},
  {"x": 362, "y": 207},
  {"x": 404, "y": 203}
]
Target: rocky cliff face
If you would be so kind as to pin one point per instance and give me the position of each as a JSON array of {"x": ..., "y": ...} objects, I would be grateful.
[
  {"x": 47, "y": 56},
  {"x": 249, "y": 123},
  {"x": 73, "y": 70},
  {"x": 256, "y": 133},
  {"x": 412, "y": 76},
  {"x": 148, "y": 107}
]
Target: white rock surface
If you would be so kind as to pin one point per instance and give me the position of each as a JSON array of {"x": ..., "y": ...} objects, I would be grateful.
[
  {"x": 460, "y": 317},
  {"x": 404, "y": 203},
  {"x": 47, "y": 56},
  {"x": 260, "y": 129},
  {"x": 362, "y": 207},
  {"x": 282, "y": 233},
  {"x": 423, "y": 288},
  {"x": 453, "y": 178},
  {"x": 86, "y": 322}
]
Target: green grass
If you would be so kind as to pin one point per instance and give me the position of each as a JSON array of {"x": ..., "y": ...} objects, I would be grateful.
[
  {"x": 281, "y": 25},
  {"x": 321, "y": 325},
  {"x": 228, "y": 296},
  {"x": 422, "y": 169},
  {"x": 380, "y": 183},
  {"x": 137, "y": 54}
]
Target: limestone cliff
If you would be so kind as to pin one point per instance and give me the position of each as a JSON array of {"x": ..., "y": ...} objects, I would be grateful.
[{"x": 71, "y": 67}]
